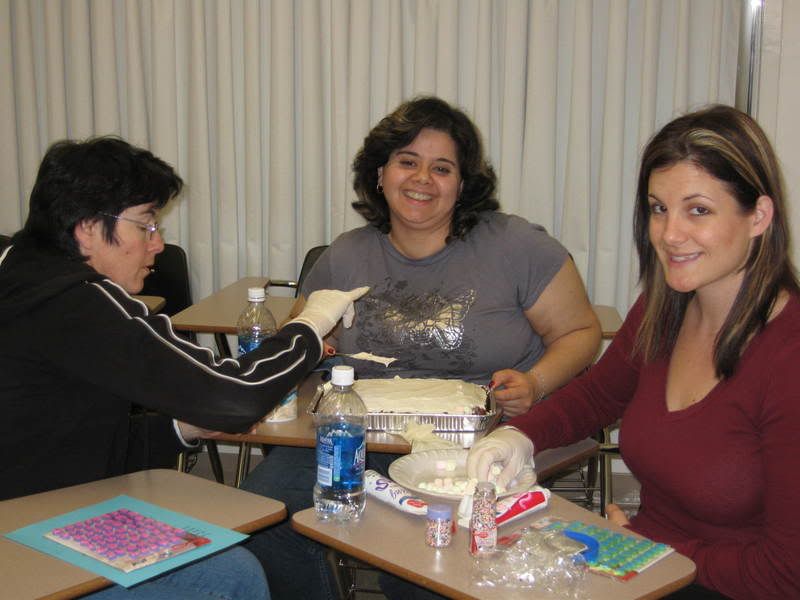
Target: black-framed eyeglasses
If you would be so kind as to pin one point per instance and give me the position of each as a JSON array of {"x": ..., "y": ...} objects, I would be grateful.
[{"x": 149, "y": 229}]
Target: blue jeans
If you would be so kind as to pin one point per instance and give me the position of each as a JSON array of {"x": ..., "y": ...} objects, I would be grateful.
[
  {"x": 296, "y": 566},
  {"x": 231, "y": 575}
]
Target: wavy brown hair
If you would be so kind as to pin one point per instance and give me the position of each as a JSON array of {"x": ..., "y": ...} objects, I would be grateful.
[
  {"x": 730, "y": 146},
  {"x": 398, "y": 130}
]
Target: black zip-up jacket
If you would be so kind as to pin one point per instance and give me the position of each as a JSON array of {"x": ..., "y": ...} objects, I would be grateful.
[{"x": 76, "y": 351}]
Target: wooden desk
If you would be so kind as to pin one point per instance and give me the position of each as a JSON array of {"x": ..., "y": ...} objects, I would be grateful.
[
  {"x": 609, "y": 318},
  {"x": 219, "y": 312},
  {"x": 26, "y": 573},
  {"x": 153, "y": 303},
  {"x": 395, "y": 542},
  {"x": 300, "y": 432}
]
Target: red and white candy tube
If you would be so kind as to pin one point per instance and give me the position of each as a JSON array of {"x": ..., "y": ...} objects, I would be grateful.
[
  {"x": 519, "y": 505},
  {"x": 511, "y": 507},
  {"x": 388, "y": 491}
]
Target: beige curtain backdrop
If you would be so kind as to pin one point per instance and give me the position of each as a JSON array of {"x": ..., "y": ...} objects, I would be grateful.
[
  {"x": 261, "y": 106},
  {"x": 779, "y": 97}
]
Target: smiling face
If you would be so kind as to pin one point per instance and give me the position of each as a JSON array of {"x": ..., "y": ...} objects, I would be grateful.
[
  {"x": 421, "y": 183},
  {"x": 128, "y": 261},
  {"x": 700, "y": 234}
]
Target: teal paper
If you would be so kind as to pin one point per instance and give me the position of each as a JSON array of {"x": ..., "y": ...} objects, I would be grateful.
[{"x": 33, "y": 536}]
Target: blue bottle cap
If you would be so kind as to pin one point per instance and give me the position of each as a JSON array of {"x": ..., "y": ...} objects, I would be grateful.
[{"x": 441, "y": 512}]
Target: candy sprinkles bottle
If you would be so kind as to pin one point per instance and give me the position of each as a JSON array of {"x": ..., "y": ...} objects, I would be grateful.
[{"x": 483, "y": 524}]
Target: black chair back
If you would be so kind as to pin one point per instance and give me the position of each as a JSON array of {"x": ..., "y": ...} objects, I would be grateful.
[
  {"x": 311, "y": 257},
  {"x": 170, "y": 280}
]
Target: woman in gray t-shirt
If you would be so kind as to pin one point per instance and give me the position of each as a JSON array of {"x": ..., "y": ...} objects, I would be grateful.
[{"x": 457, "y": 289}]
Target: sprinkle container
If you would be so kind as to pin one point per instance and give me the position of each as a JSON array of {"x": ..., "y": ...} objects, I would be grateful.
[
  {"x": 483, "y": 522},
  {"x": 439, "y": 527}
]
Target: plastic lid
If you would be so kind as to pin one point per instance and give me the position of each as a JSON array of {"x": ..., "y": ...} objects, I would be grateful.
[
  {"x": 256, "y": 294},
  {"x": 342, "y": 375},
  {"x": 442, "y": 512}
]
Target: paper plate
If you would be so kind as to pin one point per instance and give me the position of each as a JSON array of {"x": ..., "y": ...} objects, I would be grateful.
[{"x": 412, "y": 469}]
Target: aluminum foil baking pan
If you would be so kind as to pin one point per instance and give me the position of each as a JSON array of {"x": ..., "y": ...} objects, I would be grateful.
[{"x": 442, "y": 422}]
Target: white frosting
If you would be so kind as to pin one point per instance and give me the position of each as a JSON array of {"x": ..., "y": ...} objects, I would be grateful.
[
  {"x": 384, "y": 360},
  {"x": 434, "y": 396}
]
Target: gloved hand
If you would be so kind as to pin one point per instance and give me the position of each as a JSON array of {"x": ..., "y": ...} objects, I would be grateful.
[
  {"x": 422, "y": 438},
  {"x": 324, "y": 308},
  {"x": 506, "y": 445}
]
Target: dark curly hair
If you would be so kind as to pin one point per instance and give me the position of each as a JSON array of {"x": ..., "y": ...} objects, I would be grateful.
[
  {"x": 92, "y": 179},
  {"x": 398, "y": 130}
]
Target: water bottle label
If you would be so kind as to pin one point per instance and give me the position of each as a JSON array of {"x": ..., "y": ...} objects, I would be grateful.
[
  {"x": 248, "y": 343},
  {"x": 340, "y": 456}
]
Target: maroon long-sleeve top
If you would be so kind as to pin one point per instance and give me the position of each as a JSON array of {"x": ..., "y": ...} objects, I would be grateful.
[{"x": 719, "y": 479}]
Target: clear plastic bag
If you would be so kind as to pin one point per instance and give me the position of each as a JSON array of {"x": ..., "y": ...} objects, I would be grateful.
[{"x": 545, "y": 561}]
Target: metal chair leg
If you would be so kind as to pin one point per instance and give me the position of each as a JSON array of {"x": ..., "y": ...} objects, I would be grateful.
[
  {"x": 243, "y": 464},
  {"x": 606, "y": 483},
  {"x": 222, "y": 345},
  {"x": 216, "y": 463},
  {"x": 593, "y": 467}
]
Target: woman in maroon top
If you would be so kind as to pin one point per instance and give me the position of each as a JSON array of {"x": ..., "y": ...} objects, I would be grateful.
[{"x": 703, "y": 372}]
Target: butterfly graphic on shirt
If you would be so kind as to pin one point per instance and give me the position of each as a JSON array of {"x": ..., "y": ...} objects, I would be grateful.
[{"x": 431, "y": 322}]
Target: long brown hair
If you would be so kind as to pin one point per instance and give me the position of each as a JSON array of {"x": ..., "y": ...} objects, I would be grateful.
[{"x": 730, "y": 146}]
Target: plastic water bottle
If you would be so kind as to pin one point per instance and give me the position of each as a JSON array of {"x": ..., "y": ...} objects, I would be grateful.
[
  {"x": 340, "y": 419},
  {"x": 256, "y": 322}
]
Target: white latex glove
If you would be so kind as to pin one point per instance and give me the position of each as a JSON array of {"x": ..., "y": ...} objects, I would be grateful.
[
  {"x": 422, "y": 438},
  {"x": 324, "y": 308},
  {"x": 505, "y": 445}
]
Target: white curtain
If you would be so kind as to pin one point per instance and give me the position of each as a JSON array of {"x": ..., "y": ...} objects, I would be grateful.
[
  {"x": 262, "y": 104},
  {"x": 778, "y": 98}
]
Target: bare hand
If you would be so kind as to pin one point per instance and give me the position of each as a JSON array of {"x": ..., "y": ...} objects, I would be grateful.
[
  {"x": 616, "y": 515},
  {"x": 514, "y": 391}
]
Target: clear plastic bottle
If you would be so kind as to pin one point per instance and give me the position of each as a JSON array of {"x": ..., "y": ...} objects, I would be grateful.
[
  {"x": 256, "y": 322},
  {"x": 340, "y": 420}
]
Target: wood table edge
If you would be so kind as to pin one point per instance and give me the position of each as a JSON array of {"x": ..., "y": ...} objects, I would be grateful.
[
  {"x": 673, "y": 586},
  {"x": 202, "y": 328},
  {"x": 379, "y": 563},
  {"x": 100, "y": 583},
  {"x": 440, "y": 588},
  {"x": 262, "y": 522},
  {"x": 569, "y": 462}
]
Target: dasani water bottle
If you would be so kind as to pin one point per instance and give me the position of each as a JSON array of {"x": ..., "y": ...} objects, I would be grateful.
[{"x": 340, "y": 419}]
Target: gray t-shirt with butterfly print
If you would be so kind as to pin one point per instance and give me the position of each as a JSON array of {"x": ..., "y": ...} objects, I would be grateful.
[{"x": 458, "y": 314}]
